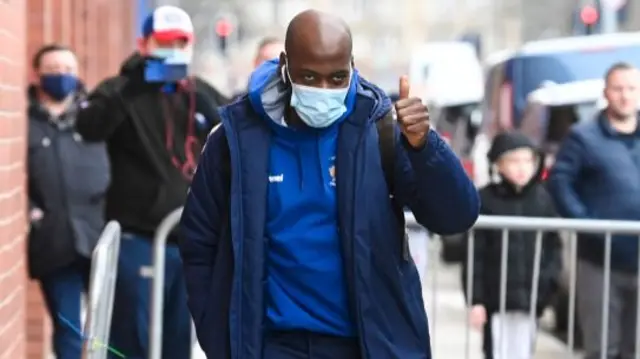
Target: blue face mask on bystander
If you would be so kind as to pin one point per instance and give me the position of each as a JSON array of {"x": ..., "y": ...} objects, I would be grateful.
[
  {"x": 167, "y": 65},
  {"x": 318, "y": 107},
  {"x": 58, "y": 86}
]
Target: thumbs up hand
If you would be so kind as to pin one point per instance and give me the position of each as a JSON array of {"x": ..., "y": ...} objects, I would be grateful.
[{"x": 413, "y": 116}]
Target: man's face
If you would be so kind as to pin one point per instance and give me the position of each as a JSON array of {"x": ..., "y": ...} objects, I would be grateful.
[
  {"x": 518, "y": 166},
  {"x": 58, "y": 62},
  {"x": 148, "y": 45},
  {"x": 621, "y": 92},
  {"x": 327, "y": 67},
  {"x": 269, "y": 52}
]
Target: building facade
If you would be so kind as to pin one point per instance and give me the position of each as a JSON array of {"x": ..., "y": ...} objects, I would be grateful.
[{"x": 101, "y": 33}]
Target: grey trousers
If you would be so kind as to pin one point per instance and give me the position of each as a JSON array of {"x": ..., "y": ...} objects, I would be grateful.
[{"x": 622, "y": 311}]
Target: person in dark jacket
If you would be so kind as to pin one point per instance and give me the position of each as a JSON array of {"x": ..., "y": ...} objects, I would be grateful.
[
  {"x": 289, "y": 241},
  {"x": 595, "y": 176},
  {"x": 154, "y": 119},
  {"x": 518, "y": 192},
  {"x": 67, "y": 182}
]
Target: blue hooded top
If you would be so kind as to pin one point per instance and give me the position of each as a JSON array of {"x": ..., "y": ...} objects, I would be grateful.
[
  {"x": 306, "y": 288},
  {"x": 301, "y": 234}
]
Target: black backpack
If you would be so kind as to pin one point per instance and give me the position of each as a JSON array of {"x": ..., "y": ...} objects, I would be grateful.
[{"x": 387, "y": 146}]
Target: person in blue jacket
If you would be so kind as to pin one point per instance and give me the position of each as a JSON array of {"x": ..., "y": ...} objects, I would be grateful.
[
  {"x": 595, "y": 176},
  {"x": 292, "y": 251}
]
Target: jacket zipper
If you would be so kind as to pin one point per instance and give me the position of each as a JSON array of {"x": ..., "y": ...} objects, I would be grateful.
[
  {"x": 354, "y": 269},
  {"x": 61, "y": 173},
  {"x": 240, "y": 246}
]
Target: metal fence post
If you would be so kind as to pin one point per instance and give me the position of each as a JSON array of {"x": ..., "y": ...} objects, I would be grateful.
[
  {"x": 157, "y": 291},
  {"x": 605, "y": 228},
  {"x": 104, "y": 271}
]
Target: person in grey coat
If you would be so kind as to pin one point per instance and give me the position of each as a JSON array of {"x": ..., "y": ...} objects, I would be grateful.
[{"x": 67, "y": 181}]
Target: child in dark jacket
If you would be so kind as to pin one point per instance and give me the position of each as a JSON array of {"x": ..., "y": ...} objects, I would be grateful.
[{"x": 518, "y": 192}]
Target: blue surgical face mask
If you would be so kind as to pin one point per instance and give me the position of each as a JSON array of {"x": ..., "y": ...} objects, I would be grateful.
[
  {"x": 318, "y": 107},
  {"x": 172, "y": 56},
  {"x": 167, "y": 65},
  {"x": 58, "y": 86}
]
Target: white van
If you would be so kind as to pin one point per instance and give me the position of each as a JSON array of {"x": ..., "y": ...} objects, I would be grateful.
[
  {"x": 446, "y": 73},
  {"x": 448, "y": 76}
]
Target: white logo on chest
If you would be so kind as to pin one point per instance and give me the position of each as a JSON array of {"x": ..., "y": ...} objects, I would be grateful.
[{"x": 276, "y": 178}]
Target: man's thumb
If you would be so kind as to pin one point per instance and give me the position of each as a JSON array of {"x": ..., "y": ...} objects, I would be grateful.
[{"x": 403, "y": 91}]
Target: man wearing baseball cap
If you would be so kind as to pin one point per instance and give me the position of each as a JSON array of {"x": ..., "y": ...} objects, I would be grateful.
[{"x": 154, "y": 119}]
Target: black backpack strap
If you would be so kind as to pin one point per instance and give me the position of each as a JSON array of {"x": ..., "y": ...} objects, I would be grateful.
[{"x": 387, "y": 145}]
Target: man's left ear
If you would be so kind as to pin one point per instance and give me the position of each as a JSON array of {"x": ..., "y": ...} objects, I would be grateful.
[{"x": 353, "y": 62}]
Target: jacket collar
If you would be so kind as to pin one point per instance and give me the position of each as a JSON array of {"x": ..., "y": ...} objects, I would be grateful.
[{"x": 608, "y": 130}]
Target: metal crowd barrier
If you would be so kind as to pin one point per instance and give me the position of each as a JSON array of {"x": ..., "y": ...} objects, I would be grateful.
[
  {"x": 541, "y": 225},
  {"x": 104, "y": 270},
  {"x": 502, "y": 223},
  {"x": 157, "y": 292}
]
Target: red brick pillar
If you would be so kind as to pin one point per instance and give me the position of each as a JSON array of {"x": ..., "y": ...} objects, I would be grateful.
[
  {"x": 42, "y": 27},
  {"x": 12, "y": 179},
  {"x": 99, "y": 31},
  {"x": 38, "y": 324}
]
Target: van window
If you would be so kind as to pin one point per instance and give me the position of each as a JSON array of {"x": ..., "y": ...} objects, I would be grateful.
[
  {"x": 533, "y": 120},
  {"x": 491, "y": 106},
  {"x": 567, "y": 67},
  {"x": 560, "y": 120}
]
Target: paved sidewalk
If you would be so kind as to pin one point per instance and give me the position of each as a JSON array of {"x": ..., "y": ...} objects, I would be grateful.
[{"x": 448, "y": 321}]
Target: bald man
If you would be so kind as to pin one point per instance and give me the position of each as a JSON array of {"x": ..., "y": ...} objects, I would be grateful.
[{"x": 292, "y": 244}]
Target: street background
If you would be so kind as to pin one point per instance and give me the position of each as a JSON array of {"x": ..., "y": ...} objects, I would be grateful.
[{"x": 103, "y": 33}]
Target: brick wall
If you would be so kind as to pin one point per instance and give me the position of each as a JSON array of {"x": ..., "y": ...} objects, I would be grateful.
[
  {"x": 12, "y": 208},
  {"x": 101, "y": 33}
]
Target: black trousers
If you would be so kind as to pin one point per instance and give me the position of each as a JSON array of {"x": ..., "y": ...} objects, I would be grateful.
[
  {"x": 487, "y": 340},
  {"x": 305, "y": 345}
]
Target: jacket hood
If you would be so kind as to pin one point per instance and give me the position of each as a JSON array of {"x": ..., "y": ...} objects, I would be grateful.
[
  {"x": 269, "y": 95},
  {"x": 506, "y": 142},
  {"x": 133, "y": 65}
]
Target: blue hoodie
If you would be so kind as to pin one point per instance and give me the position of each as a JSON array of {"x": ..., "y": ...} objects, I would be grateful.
[
  {"x": 306, "y": 287},
  {"x": 236, "y": 241}
]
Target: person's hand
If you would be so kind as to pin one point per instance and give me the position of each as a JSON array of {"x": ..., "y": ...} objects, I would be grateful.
[
  {"x": 36, "y": 214},
  {"x": 478, "y": 316},
  {"x": 413, "y": 116}
]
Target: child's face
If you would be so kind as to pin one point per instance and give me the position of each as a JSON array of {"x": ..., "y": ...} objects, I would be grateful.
[{"x": 518, "y": 166}]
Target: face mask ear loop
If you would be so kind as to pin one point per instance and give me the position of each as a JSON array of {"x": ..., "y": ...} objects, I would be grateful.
[
  {"x": 285, "y": 73},
  {"x": 283, "y": 76}
]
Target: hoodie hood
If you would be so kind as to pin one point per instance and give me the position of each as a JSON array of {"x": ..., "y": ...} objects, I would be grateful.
[
  {"x": 133, "y": 67},
  {"x": 269, "y": 95},
  {"x": 506, "y": 142}
]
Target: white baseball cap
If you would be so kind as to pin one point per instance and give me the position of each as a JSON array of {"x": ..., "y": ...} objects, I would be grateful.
[{"x": 167, "y": 23}]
